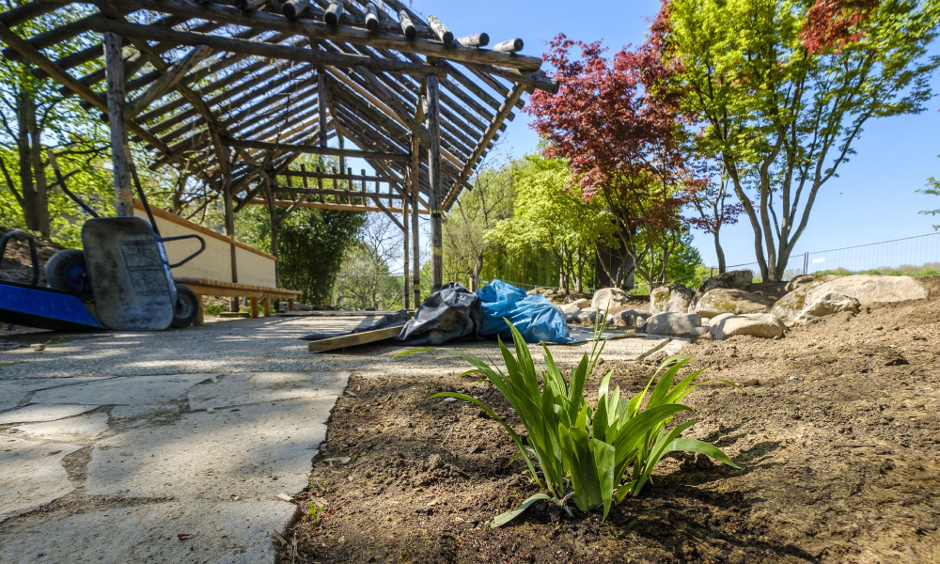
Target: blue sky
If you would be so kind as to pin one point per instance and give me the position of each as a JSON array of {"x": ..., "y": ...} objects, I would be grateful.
[{"x": 874, "y": 199}]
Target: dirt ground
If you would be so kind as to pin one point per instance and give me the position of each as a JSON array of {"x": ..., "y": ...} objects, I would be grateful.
[{"x": 837, "y": 431}]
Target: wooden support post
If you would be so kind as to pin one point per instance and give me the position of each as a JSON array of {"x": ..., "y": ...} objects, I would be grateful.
[
  {"x": 406, "y": 286},
  {"x": 290, "y": 304},
  {"x": 321, "y": 101},
  {"x": 272, "y": 211},
  {"x": 120, "y": 153},
  {"x": 267, "y": 306},
  {"x": 253, "y": 307},
  {"x": 200, "y": 312},
  {"x": 434, "y": 167},
  {"x": 415, "y": 228}
]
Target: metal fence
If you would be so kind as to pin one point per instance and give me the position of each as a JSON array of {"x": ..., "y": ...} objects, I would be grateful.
[{"x": 911, "y": 256}]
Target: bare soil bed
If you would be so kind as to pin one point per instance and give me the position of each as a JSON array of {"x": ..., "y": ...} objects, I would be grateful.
[{"x": 837, "y": 430}]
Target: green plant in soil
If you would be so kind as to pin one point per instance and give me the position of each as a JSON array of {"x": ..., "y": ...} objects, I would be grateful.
[
  {"x": 596, "y": 454},
  {"x": 214, "y": 309}
]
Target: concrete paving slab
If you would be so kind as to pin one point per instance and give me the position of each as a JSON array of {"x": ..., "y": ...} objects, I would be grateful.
[
  {"x": 123, "y": 391},
  {"x": 254, "y": 452},
  {"x": 225, "y": 533},
  {"x": 265, "y": 387},
  {"x": 84, "y": 428},
  {"x": 39, "y": 413},
  {"x": 31, "y": 475}
]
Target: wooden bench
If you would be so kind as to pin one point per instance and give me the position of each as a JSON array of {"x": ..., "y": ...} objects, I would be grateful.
[{"x": 203, "y": 287}]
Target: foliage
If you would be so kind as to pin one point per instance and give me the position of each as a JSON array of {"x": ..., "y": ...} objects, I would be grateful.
[
  {"x": 685, "y": 265},
  {"x": 622, "y": 143},
  {"x": 598, "y": 454},
  {"x": 466, "y": 248},
  {"x": 553, "y": 218},
  {"x": 780, "y": 90},
  {"x": 213, "y": 309},
  {"x": 311, "y": 246},
  {"x": 926, "y": 269}
]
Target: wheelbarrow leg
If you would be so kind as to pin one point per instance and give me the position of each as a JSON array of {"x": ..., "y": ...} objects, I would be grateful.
[{"x": 200, "y": 314}]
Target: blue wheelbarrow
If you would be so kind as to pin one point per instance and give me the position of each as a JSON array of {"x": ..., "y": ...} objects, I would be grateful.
[{"x": 123, "y": 274}]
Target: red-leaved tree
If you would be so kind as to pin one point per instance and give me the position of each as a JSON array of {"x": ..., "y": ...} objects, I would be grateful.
[{"x": 623, "y": 145}]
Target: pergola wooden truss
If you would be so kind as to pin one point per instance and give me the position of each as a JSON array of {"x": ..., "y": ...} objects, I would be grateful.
[{"x": 234, "y": 92}]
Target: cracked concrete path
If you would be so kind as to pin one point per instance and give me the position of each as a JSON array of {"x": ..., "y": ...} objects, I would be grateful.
[{"x": 113, "y": 445}]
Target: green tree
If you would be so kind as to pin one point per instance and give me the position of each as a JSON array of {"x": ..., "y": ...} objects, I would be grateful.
[
  {"x": 783, "y": 88},
  {"x": 551, "y": 215},
  {"x": 466, "y": 249},
  {"x": 311, "y": 246}
]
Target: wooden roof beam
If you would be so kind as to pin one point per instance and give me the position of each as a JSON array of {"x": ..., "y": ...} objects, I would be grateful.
[
  {"x": 314, "y": 150},
  {"x": 265, "y": 20},
  {"x": 257, "y": 48}
]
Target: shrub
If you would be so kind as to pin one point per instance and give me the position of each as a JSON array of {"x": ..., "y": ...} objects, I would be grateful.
[
  {"x": 597, "y": 454},
  {"x": 214, "y": 309}
]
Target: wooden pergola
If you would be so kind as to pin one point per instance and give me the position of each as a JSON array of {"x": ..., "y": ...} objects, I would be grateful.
[{"x": 234, "y": 92}]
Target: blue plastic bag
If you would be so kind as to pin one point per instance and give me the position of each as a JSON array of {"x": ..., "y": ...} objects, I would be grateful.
[{"x": 534, "y": 316}]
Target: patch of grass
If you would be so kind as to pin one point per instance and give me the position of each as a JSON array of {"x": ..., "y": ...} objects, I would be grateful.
[{"x": 12, "y": 363}]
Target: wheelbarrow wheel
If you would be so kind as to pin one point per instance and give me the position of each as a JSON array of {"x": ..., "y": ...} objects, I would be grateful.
[
  {"x": 187, "y": 307},
  {"x": 66, "y": 271}
]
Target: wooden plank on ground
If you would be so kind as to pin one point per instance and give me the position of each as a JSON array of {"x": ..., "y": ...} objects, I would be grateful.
[{"x": 353, "y": 340}]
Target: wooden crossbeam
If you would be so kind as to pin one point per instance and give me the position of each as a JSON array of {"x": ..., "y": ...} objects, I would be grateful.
[
  {"x": 257, "y": 48},
  {"x": 319, "y": 30},
  {"x": 313, "y": 150},
  {"x": 168, "y": 79},
  {"x": 328, "y": 206}
]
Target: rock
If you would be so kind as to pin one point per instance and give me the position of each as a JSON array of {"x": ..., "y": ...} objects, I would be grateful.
[
  {"x": 732, "y": 300},
  {"x": 611, "y": 300},
  {"x": 627, "y": 319},
  {"x": 764, "y": 325},
  {"x": 674, "y": 298},
  {"x": 582, "y": 303},
  {"x": 704, "y": 333},
  {"x": 800, "y": 281},
  {"x": 38, "y": 347},
  {"x": 876, "y": 289},
  {"x": 673, "y": 324},
  {"x": 739, "y": 279},
  {"x": 585, "y": 317},
  {"x": 569, "y": 309},
  {"x": 812, "y": 302}
]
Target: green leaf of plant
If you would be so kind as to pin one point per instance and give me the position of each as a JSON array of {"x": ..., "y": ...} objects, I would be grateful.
[
  {"x": 701, "y": 447},
  {"x": 415, "y": 351},
  {"x": 604, "y": 457},
  {"x": 501, "y": 520}
]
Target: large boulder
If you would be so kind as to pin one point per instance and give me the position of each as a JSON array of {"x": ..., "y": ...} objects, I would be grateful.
[
  {"x": 673, "y": 324},
  {"x": 731, "y": 300},
  {"x": 739, "y": 279},
  {"x": 812, "y": 302},
  {"x": 611, "y": 300},
  {"x": 876, "y": 289},
  {"x": 763, "y": 325},
  {"x": 674, "y": 298},
  {"x": 628, "y": 319}
]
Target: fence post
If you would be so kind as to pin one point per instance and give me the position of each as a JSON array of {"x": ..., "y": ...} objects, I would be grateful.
[{"x": 805, "y": 263}]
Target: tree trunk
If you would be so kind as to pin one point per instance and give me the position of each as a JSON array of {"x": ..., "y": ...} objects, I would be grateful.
[
  {"x": 32, "y": 176},
  {"x": 40, "y": 204},
  {"x": 722, "y": 266}
]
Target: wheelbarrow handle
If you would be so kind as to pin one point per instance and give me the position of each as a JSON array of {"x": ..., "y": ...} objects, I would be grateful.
[
  {"x": 202, "y": 243},
  {"x": 23, "y": 236}
]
